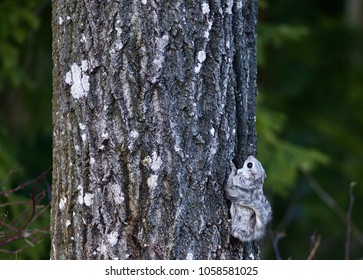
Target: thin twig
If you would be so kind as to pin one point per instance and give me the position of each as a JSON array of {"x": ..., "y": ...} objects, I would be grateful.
[
  {"x": 2, "y": 182},
  {"x": 35, "y": 241},
  {"x": 2, "y": 220},
  {"x": 21, "y": 228},
  {"x": 37, "y": 181},
  {"x": 349, "y": 219},
  {"x": 279, "y": 235},
  {"x": 316, "y": 244},
  {"x": 12, "y": 203},
  {"x": 334, "y": 206},
  {"x": 18, "y": 229}
]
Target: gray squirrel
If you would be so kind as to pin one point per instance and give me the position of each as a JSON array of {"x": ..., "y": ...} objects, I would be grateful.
[{"x": 250, "y": 210}]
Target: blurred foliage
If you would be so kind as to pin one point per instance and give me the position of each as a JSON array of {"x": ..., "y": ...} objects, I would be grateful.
[
  {"x": 309, "y": 116},
  {"x": 25, "y": 86},
  {"x": 282, "y": 156},
  {"x": 15, "y": 25},
  {"x": 25, "y": 107},
  {"x": 310, "y": 123},
  {"x": 276, "y": 35}
]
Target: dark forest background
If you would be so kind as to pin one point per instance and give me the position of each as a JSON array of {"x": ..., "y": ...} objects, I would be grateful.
[{"x": 309, "y": 123}]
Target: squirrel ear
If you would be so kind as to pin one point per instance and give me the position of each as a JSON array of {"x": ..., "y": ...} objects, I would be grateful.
[{"x": 233, "y": 167}]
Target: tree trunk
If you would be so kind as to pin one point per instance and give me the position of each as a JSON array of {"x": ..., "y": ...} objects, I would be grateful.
[
  {"x": 354, "y": 13},
  {"x": 152, "y": 99}
]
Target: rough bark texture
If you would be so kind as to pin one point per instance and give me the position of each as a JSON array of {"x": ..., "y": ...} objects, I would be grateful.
[{"x": 152, "y": 99}]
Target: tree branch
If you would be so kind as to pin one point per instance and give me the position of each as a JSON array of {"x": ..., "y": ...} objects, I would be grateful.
[
  {"x": 349, "y": 219},
  {"x": 333, "y": 205}
]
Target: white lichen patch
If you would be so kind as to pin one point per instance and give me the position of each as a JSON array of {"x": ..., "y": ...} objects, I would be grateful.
[
  {"x": 102, "y": 249},
  {"x": 118, "y": 196},
  {"x": 92, "y": 161},
  {"x": 84, "y": 137},
  {"x": 84, "y": 65},
  {"x": 68, "y": 223},
  {"x": 212, "y": 131},
  {"x": 78, "y": 79},
  {"x": 206, "y": 33},
  {"x": 197, "y": 68},
  {"x": 112, "y": 238},
  {"x": 177, "y": 148},
  {"x": 162, "y": 42},
  {"x": 60, "y": 20},
  {"x": 213, "y": 151},
  {"x": 228, "y": 44},
  {"x": 83, "y": 39},
  {"x": 80, "y": 194},
  {"x": 118, "y": 46},
  {"x": 144, "y": 2},
  {"x": 88, "y": 199},
  {"x": 156, "y": 162},
  {"x": 239, "y": 4},
  {"x": 229, "y": 6},
  {"x": 82, "y": 126},
  {"x": 201, "y": 56},
  {"x": 62, "y": 203},
  {"x": 153, "y": 162},
  {"x": 134, "y": 134},
  {"x": 104, "y": 135},
  {"x": 190, "y": 256},
  {"x": 205, "y": 8},
  {"x": 251, "y": 256},
  {"x": 152, "y": 181}
]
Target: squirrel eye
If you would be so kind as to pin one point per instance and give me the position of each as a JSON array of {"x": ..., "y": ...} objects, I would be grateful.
[{"x": 249, "y": 165}]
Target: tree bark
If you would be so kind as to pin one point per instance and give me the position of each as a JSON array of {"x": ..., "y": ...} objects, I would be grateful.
[
  {"x": 354, "y": 13},
  {"x": 152, "y": 99}
]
